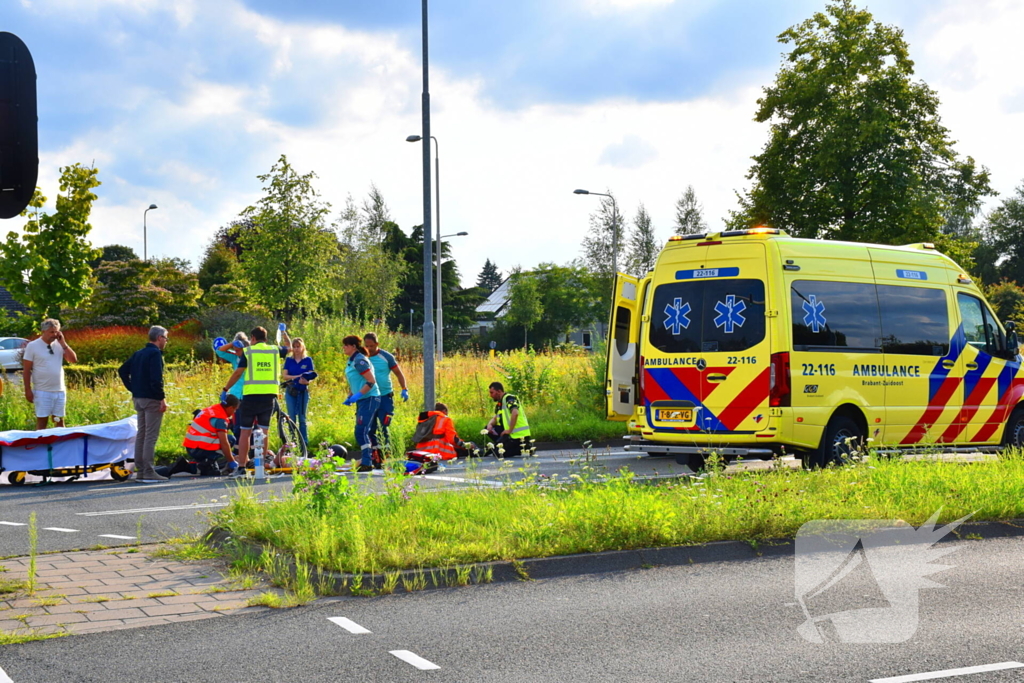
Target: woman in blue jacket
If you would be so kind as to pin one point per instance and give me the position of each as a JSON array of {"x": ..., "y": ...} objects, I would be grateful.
[
  {"x": 365, "y": 395},
  {"x": 298, "y": 371}
]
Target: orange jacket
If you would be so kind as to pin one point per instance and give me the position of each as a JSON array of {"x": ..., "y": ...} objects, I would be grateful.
[
  {"x": 201, "y": 433},
  {"x": 443, "y": 437}
]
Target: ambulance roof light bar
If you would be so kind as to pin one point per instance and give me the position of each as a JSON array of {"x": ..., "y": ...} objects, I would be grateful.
[
  {"x": 684, "y": 238},
  {"x": 759, "y": 230}
]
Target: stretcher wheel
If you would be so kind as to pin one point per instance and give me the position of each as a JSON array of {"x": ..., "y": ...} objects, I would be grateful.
[
  {"x": 16, "y": 478},
  {"x": 119, "y": 472}
]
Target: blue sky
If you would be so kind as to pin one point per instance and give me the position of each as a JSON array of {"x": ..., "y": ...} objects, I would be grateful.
[{"x": 184, "y": 103}]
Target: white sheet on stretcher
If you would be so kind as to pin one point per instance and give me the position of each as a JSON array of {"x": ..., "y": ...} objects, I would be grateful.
[{"x": 69, "y": 446}]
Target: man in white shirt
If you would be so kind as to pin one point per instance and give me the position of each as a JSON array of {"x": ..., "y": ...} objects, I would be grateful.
[{"x": 44, "y": 373}]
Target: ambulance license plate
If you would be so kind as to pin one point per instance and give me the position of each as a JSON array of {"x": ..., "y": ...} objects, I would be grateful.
[{"x": 675, "y": 415}]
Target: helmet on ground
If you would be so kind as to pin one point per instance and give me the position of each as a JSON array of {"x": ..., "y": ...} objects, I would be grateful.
[{"x": 339, "y": 451}]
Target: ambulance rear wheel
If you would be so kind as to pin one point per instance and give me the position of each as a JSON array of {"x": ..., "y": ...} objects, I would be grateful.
[
  {"x": 843, "y": 438},
  {"x": 1014, "y": 435}
]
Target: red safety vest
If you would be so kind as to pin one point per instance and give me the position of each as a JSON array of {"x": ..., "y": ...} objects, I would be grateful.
[
  {"x": 442, "y": 439},
  {"x": 201, "y": 433}
]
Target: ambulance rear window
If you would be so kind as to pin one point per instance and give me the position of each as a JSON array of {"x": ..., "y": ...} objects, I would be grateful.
[{"x": 708, "y": 316}]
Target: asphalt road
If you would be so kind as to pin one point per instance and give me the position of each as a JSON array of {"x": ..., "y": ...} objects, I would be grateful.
[
  {"x": 713, "y": 622},
  {"x": 83, "y": 514}
]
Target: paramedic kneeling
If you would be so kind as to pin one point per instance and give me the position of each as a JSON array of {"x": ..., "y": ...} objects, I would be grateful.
[
  {"x": 435, "y": 433},
  {"x": 206, "y": 440},
  {"x": 509, "y": 428}
]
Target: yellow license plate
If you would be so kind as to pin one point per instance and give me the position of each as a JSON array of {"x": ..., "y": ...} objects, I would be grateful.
[{"x": 675, "y": 415}]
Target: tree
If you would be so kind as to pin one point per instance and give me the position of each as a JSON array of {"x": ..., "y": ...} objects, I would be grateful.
[
  {"x": 288, "y": 249},
  {"x": 856, "y": 149},
  {"x": 643, "y": 247},
  {"x": 524, "y": 306},
  {"x": 220, "y": 266},
  {"x": 570, "y": 297},
  {"x": 689, "y": 214},
  {"x": 489, "y": 278},
  {"x": 141, "y": 293},
  {"x": 47, "y": 268},
  {"x": 1007, "y": 300},
  {"x": 602, "y": 246},
  {"x": 114, "y": 252},
  {"x": 1003, "y": 239}
]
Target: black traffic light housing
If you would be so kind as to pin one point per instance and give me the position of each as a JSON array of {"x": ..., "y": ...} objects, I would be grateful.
[{"x": 19, "y": 136}]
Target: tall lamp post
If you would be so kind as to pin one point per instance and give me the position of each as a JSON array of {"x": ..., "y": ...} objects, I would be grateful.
[
  {"x": 440, "y": 318},
  {"x": 615, "y": 228},
  {"x": 428, "y": 298},
  {"x": 151, "y": 207},
  {"x": 437, "y": 208}
]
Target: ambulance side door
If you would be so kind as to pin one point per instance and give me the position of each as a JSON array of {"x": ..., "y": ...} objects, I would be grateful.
[
  {"x": 623, "y": 349},
  {"x": 988, "y": 377}
]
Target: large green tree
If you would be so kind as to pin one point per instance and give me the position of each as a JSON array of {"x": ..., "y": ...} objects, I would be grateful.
[
  {"x": 689, "y": 213},
  {"x": 1001, "y": 253},
  {"x": 642, "y": 248},
  {"x": 524, "y": 303},
  {"x": 47, "y": 268},
  {"x": 856, "y": 149},
  {"x": 490, "y": 277},
  {"x": 289, "y": 247},
  {"x": 569, "y": 298}
]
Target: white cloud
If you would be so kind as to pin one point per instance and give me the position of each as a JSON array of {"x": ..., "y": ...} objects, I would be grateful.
[{"x": 632, "y": 152}]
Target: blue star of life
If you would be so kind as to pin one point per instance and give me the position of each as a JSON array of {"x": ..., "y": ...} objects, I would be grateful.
[
  {"x": 675, "y": 313},
  {"x": 729, "y": 313},
  {"x": 815, "y": 314}
]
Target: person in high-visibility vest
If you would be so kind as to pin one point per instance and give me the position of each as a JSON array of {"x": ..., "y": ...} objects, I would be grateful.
[
  {"x": 509, "y": 430},
  {"x": 435, "y": 433},
  {"x": 205, "y": 440},
  {"x": 261, "y": 363}
]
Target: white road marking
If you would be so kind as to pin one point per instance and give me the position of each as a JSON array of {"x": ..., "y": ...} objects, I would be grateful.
[
  {"x": 163, "y": 509},
  {"x": 414, "y": 659},
  {"x": 348, "y": 625},
  {"x": 4, "y": 678},
  {"x": 12, "y": 523},
  {"x": 122, "y": 538},
  {"x": 464, "y": 480},
  {"x": 949, "y": 672},
  {"x": 57, "y": 528}
]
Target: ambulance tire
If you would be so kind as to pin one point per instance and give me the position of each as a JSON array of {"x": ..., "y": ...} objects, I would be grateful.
[
  {"x": 1013, "y": 437},
  {"x": 842, "y": 435}
]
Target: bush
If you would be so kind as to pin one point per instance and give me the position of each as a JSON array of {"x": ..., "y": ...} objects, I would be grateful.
[{"x": 108, "y": 345}]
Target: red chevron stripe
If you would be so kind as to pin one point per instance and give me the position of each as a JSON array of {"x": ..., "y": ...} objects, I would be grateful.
[
  {"x": 750, "y": 398},
  {"x": 933, "y": 411},
  {"x": 971, "y": 406},
  {"x": 652, "y": 390},
  {"x": 1002, "y": 412}
]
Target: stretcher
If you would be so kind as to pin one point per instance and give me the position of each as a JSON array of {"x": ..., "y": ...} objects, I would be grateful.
[{"x": 69, "y": 453}]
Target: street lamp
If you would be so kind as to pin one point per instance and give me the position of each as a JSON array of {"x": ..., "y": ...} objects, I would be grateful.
[
  {"x": 437, "y": 202},
  {"x": 428, "y": 299},
  {"x": 151, "y": 207},
  {"x": 615, "y": 228},
  {"x": 440, "y": 320}
]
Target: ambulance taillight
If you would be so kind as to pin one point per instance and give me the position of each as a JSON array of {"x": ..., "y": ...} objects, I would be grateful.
[{"x": 779, "y": 387}]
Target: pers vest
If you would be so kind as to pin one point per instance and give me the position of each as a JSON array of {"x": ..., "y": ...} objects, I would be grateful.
[{"x": 264, "y": 369}]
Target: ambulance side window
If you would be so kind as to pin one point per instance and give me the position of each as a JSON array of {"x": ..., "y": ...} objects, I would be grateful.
[
  {"x": 623, "y": 318},
  {"x": 915, "y": 320},
  {"x": 826, "y": 314},
  {"x": 979, "y": 327}
]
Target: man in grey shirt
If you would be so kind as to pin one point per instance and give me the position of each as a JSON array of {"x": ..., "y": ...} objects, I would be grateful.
[{"x": 43, "y": 363}]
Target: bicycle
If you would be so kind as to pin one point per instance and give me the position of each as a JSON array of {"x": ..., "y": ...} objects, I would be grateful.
[{"x": 292, "y": 443}]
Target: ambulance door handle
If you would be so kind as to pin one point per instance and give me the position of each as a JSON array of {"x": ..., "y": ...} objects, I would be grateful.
[
  {"x": 972, "y": 366},
  {"x": 716, "y": 378},
  {"x": 948, "y": 364}
]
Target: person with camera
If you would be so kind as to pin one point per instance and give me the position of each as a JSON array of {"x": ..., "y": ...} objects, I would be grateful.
[{"x": 298, "y": 372}]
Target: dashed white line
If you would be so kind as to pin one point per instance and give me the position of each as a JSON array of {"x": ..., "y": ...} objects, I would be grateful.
[
  {"x": 4, "y": 678},
  {"x": 57, "y": 528},
  {"x": 415, "y": 660},
  {"x": 463, "y": 480},
  {"x": 163, "y": 509},
  {"x": 949, "y": 673},
  {"x": 122, "y": 538},
  {"x": 348, "y": 625},
  {"x": 12, "y": 523}
]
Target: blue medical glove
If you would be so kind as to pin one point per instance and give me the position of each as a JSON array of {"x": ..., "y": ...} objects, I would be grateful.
[
  {"x": 282, "y": 327},
  {"x": 223, "y": 397},
  {"x": 405, "y": 395},
  {"x": 238, "y": 344},
  {"x": 219, "y": 342},
  {"x": 350, "y": 400}
]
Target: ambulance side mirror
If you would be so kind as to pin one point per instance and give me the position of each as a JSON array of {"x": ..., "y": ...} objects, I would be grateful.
[{"x": 1012, "y": 343}]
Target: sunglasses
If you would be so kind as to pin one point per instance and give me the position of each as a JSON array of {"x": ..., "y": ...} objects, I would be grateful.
[{"x": 49, "y": 348}]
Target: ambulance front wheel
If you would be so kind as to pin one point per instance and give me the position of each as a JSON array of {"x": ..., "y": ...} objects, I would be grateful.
[
  {"x": 843, "y": 438},
  {"x": 1014, "y": 435}
]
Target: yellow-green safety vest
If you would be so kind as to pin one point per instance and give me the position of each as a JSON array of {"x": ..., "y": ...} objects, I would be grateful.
[
  {"x": 263, "y": 370},
  {"x": 522, "y": 429}
]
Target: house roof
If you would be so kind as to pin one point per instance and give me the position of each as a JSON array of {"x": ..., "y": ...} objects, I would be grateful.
[
  {"x": 7, "y": 302},
  {"x": 498, "y": 299}
]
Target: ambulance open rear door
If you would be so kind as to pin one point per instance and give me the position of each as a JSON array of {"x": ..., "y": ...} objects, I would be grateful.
[{"x": 623, "y": 348}]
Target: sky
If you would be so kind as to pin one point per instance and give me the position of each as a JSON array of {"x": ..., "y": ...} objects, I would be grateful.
[{"x": 183, "y": 103}]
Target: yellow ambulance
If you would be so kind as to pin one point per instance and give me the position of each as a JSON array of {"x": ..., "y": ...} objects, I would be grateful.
[{"x": 749, "y": 343}]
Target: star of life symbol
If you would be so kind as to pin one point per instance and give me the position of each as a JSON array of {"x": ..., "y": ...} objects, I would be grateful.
[
  {"x": 729, "y": 313},
  {"x": 675, "y": 315},
  {"x": 837, "y": 561},
  {"x": 815, "y": 314}
]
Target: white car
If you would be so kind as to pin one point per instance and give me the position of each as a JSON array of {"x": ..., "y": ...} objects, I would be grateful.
[{"x": 10, "y": 352}]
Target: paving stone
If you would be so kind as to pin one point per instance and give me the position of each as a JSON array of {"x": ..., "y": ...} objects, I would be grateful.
[
  {"x": 148, "y": 621},
  {"x": 75, "y": 607},
  {"x": 137, "y": 603},
  {"x": 166, "y": 610},
  {"x": 180, "y": 599},
  {"x": 11, "y": 625},
  {"x": 126, "y": 613},
  {"x": 94, "y": 626},
  {"x": 54, "y": 619}
]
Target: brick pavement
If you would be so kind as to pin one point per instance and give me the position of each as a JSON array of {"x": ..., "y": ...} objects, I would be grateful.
[{"x": 106, "y": 590}]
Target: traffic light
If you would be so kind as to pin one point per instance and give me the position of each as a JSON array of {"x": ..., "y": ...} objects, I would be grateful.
[{"x": 19, "y": 136}]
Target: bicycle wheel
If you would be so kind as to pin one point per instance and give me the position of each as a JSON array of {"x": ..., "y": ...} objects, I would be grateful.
[{"x": 290, "y": 434}]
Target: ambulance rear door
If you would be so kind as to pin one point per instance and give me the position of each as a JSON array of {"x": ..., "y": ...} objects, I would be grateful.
[{"x": 623, "y": 349}]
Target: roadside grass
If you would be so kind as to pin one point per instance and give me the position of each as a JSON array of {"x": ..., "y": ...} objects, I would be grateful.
[
  {"x": 14, "y": 638},
  {"x": 185, "y": 549},
  {"x": 355, "y": 531}
]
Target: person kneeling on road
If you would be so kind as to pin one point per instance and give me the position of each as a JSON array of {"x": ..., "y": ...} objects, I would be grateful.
[
  {"x": 205, "y": 440},
  {"x": 436, "y": 440}
]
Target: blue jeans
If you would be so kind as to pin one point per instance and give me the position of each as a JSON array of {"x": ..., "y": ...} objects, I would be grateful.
[
  {"x": 297, "y": 411},
  {"x": 366, "y": 410},
  {"x": 382, "y": 422}
]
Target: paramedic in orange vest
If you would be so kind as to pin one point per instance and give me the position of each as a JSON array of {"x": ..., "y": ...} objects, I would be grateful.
[
  {"x": 207, "y": 439},
  {"x": 435, "y": 433}
]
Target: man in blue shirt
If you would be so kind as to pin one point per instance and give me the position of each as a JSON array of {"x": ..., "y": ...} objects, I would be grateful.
[{"x": 383, "y": 365}]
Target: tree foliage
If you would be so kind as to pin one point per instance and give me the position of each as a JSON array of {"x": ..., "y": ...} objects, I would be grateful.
[
  {"x": 524, "y": 304},
  {"x": 141, "y": 293},
  {"x": 643, "y": 248},
  {"x": 569, "y": 298},
  {"x": 1002, "y": 241},
  {"x": 289, "y": 248},
  {"x": 47, "y": 268},
  {"x": 1007, "y": 299},
  {"x": 490, "y": 277},
  {"x": 220, "y": 266},
  {"x": 114, "y": 252},
  {"x": 856, "y": 148},
  {"x": 690, "y": 213}
]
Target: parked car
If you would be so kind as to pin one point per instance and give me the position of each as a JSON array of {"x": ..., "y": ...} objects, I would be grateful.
[{"x": 10, "y": 352}]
